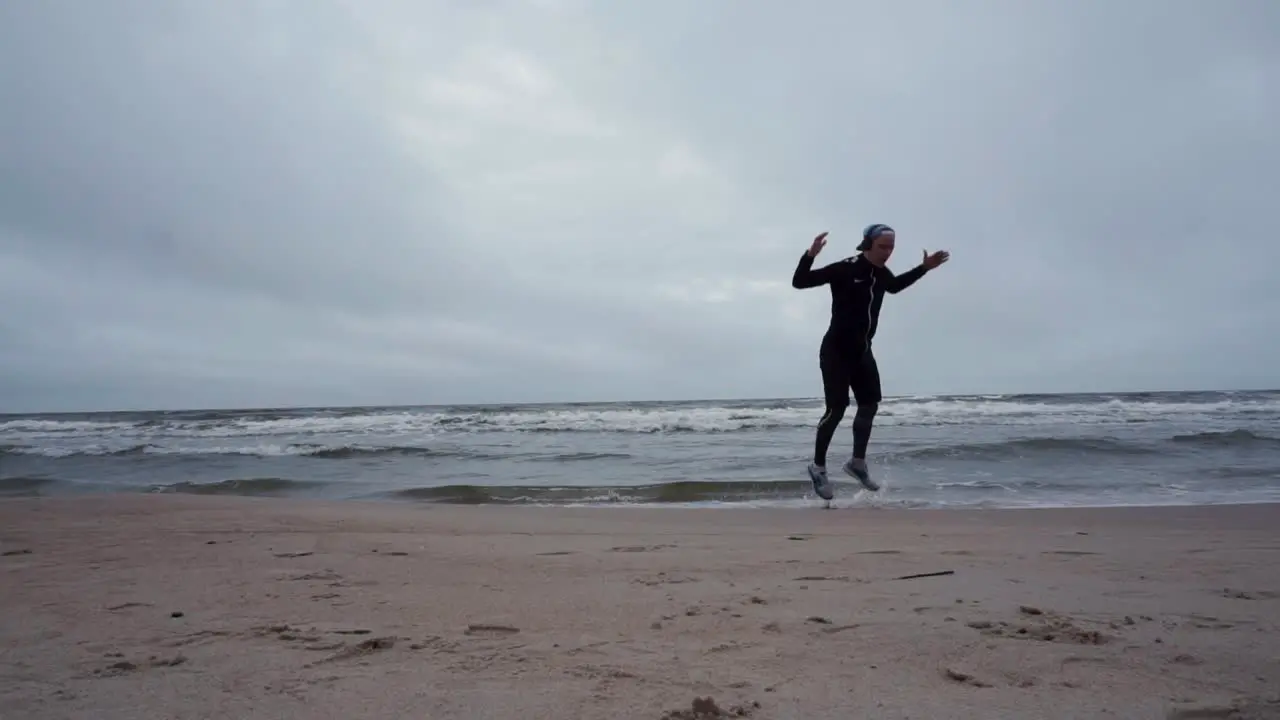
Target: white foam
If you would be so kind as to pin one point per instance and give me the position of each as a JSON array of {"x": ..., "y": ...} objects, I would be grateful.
[{"x": 424, "y": 424}]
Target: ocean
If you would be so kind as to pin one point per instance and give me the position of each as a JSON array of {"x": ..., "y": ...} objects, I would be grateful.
[{"x": 991, "y": 451}]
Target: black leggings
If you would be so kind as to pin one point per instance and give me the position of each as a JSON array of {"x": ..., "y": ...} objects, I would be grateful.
[{"x": 844, "y": 370}]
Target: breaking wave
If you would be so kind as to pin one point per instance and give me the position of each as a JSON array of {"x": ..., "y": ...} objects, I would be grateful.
[
  {"x": 266, "y": 486},
  {"x": 637, "y": 418},
  {"x": 931, "y": 450},
  {"x": 996, "y": 450}
]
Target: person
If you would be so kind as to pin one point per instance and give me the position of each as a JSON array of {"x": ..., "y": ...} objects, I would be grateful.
[{"x": 858, "y": 285}]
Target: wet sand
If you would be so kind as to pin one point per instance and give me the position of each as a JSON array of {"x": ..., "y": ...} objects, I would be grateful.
[{"x": 170, "y": 606}]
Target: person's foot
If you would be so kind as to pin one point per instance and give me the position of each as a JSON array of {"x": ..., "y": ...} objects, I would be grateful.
[
  {"x": 857, "y": 468},
  {"x": 821, "y": 485}
]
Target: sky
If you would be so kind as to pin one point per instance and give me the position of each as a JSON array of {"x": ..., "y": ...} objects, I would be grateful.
[{"x": 342, "y": 202}]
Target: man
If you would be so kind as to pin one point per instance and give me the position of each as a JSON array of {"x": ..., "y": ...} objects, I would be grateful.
[{"x": 858, "y": 285}]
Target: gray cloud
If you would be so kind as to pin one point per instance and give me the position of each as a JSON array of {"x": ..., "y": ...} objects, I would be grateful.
[{"x": 233, "y": 204}]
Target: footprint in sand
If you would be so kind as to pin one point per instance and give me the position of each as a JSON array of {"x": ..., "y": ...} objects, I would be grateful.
[
  {"x": 664, "y": 579},
  {"x": 1069, "y": 553},
  {"x": 1208, "y": 622},
  {"x": 491, "y": 630},
  {"x": 639, "y": 548},
  {"x": 1085, "y": 660},
  {"x": 124, "y": 666},
  {"x": 928, "y": 608},
  {"x": 833, "y": 629},
  {"x": 730, "y": 646},
  {"x": 964, "y": 678},
  {"x": 1129, "y": 594},
  {"x": 1249, "y": 595},
  {"x": 317, "y": 575},
  {"x": 599, "y": 672},
  {"x": 1015, "y": 679},
  {"x": 1208, "y": 712},
  {"x": 126, "y": 606},
  {"x": 361, "y": 649},
  {"x": 285, "y": 633},
  {"x": 198, "y": 638},
  {"x": 707, "y": 709},
  {"x": 1047, "y": 627},
  {"x": 296, "y": 687}
]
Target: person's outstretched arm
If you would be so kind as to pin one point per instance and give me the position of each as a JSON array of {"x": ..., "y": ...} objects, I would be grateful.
[
  {"x": 898, "y": 283},
  {"x": 805, "y": 276}
]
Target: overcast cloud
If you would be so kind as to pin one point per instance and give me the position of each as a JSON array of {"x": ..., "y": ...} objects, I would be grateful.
[{"x": 381, "y": 201}]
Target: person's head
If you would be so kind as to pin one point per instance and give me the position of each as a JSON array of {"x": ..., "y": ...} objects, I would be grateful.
[{"x": 877, "y": 243}]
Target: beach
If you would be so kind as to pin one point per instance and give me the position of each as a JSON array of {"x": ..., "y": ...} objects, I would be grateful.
[{"x": 187, "y": 606}]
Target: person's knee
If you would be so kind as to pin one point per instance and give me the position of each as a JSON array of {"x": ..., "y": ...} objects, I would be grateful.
[
  {"x": 834, "y": 411},
  {"x": 837, "y": 402},
  {"x": 866, "y": 414}
]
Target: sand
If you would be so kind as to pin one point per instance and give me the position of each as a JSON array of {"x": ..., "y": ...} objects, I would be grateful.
[{"x": 167, "y": 606}]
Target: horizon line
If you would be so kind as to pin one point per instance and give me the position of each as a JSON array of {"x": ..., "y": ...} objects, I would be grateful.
[{"x": 528, "y": 403}]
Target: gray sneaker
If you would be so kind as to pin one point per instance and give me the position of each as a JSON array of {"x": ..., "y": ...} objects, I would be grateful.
[
  {"x": 821, "y": 485},
  {"x": 857, "y": 468}
]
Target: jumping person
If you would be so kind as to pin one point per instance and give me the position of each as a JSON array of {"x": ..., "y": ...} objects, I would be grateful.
[{"x": 858, "y": 285}]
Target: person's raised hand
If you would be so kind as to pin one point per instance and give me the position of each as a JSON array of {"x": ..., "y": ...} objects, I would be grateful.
[
  {"x": 932, "y": 261},
  {"x": 818, "y": 243}
]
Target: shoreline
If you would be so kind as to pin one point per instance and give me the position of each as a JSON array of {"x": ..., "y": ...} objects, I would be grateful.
[
  {"x": 515, "y": 496},
  {"x": 1258, "y": 510},
  {"x": 197, "y": 606}
]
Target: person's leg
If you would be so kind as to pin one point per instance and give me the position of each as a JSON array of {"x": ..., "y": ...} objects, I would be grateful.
[
  {"x": 866, "y": 392},
  {"x": 865, "y": 383},
  {"x": 832, "y": 414},
  {"x": 835, "y": 390}
]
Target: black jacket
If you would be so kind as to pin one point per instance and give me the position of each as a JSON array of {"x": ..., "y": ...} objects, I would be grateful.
[{"x": 857, "y": 290}]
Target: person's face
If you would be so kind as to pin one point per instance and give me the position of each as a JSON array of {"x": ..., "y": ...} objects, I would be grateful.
[{"x": 881, "y": 249}]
